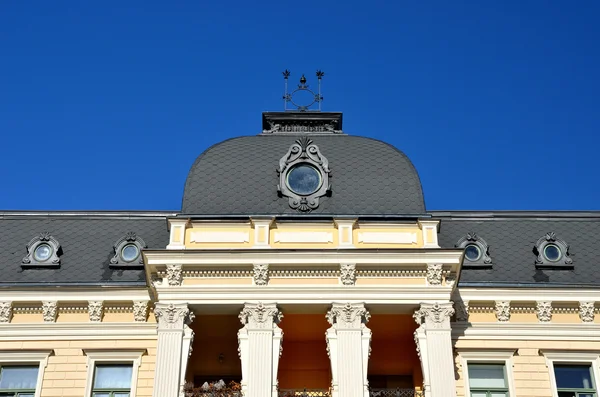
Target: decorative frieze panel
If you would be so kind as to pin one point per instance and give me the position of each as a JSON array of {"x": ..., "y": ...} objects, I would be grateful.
[
  {"x": 174, "y": 276},
  {"x": 49, "y": 311},
  {"x": 5, "y": 311},
  {"x": 95, "y": 310},
  {"x": 434, "y": 273},
  {"x": 502, "y": 310},
  {"x": 586, "y": 312},
  {"x": 303, "y": 237},
  {"x": 348, "y": 273},
  {"x": 219, "y": 237},
  {"x": 304, "y": 273},
  {"x": 544, "y": 311},
  {"x": 387, "y": 238},
  {"x": 261, "y": 273},
  {"x": 140, "y": 311}
]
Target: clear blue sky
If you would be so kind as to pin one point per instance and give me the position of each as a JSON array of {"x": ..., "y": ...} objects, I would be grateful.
[{"x": 106, "y": 105}]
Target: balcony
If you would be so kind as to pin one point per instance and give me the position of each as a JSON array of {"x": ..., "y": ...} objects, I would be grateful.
[{"x": 372, "y": 393}]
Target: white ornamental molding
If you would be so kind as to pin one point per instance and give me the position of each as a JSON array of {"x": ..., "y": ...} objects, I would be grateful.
[
  {"x": 348, "y": 273},
  {"x": 434, "y": 273},
  {"x": 174, "y": 276},
  {"x": 435, "y": 315},
  {"x": 544, "y": 311},
  {"x": 387, "y": 238},
  {"x": 349, "y": 315},
  {"x": 416, "y": 336},
  {"x": 502, "y": 311},
  {"x": 173, "y": 316},
  {"x": 586, "y": 312},
  {"x": 260, "y": 315},
  {"x": 261, "y": 273},
  {"x": 303, "y": 237},
  {"x": 5, "y": 311},
  {"x": 140, "y": 311},
  {"x": 95, "y": 309},
  {"x": 220, "y": 237},
  {"x": 49, "y": 311}
]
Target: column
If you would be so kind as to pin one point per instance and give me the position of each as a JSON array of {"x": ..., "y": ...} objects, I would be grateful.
[
  {"x": 260, "y": 348},
  {"x": 348, "y": 347},
  {"x": 434, "y": 345},
  {"x": 173, "y": 348}
]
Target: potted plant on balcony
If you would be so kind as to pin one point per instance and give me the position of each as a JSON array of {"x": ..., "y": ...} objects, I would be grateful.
[{"x": 213, "y": 389}]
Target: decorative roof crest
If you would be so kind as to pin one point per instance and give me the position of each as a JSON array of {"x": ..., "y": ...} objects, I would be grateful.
[{"x": 295, "y": 100}]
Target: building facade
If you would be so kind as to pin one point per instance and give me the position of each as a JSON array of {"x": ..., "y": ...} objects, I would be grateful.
[{"x": 303, "y": 262}]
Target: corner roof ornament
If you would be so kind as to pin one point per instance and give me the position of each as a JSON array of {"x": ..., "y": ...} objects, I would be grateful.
[{"x": 298, "y": 98}]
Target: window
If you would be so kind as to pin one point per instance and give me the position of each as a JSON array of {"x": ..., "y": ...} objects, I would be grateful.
[
  {"x": 21, "y": 373},
  {"x": 487, "y": 373},
  {"x": 487, "y": 380},
  {"x": 573, "y": 374},
  {"x": 112, "y": 373}
]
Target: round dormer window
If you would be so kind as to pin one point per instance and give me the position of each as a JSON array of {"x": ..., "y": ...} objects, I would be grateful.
[
  {"x": 42, "y": 252},
  {"x": 303, "y": 179},
  {"x": 130, "y": 252},
  {"x": 472, "y": 252},
  {"x": 552, "y": 252}
]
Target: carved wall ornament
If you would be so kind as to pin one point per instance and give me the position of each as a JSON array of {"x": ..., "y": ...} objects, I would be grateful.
[
  {"x": 434, "y": 273},
  {"x": 502, "y": 311},
  {"x": 416, "y": 336},
  {"x": 544, "y": 311},
  {"x": 478, "y": 254},
  {"x": 128, "y": 251},
  {"x": 462, "y": 310},
  {"x": 174, "y": 276},
  {"x": 586, "y": 312},
  {"x": 140, "y": 311},
  {"x": 551, "y": 252},
  {"x": 349, "y": 315},
  {"x": 42, "y": 250},
  {"x": 348, "y": 273},
  {"x": 5, "y": 311},
  {"x": 260, "y": 315},
  {"x": 49, "y": 311},
  {"x": 95, "y": 310},
  {"x": 434, "y": 315},
  {"x": 172, "y": 316},
  {"x": 304, "y": 175},
  {"x": 261, "y": 273}
]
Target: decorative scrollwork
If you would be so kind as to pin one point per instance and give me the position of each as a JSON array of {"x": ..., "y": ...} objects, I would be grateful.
[
  {"x": 543, "y": 260},
  {"x": 51, "y": 248},
  {"x": 130, "y": 238},
  {"x": 484, "y": 259}
]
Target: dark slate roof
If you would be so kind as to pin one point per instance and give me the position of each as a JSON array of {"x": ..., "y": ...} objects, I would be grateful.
[
  {"x": 87, "y": 244},
  {"x": 238, "y": 177},
  {"x": 511, "y": 237}
]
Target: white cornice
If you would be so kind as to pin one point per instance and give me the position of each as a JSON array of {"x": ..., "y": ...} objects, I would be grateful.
[
  {"x": 526, "y": 331},
  {"x": 529, "y": 294},
  {"x": 77, "y": 331},
  {"x": 73, "y": 295}
]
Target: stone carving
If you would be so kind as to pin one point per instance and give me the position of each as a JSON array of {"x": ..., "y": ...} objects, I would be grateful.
[
  {"x": 450, "y": 280},
  {"x": 434, "y": 273},
  {"x": 462, "y": 310},
  {"x": 261, "y": 273},
  {"x": 416, "y": 336},
  {"x": 172, "y": 316},
  {"x": 128, "y": 238},
  {"x": 304, "y": 152},
  {"x": 551, "y": 239},
  {"x": 348, "y": 273},
  {"x": 544, "y": 311},
  {"x": 49, "y": 311},
  {"x": 471, "y": 238},
  {"x": 434, "y": 315},
  {"x": 5, "y": 311},
  {"x": 259, "y": 315},
  {"x": 349, "y": 315},
  {"x": 52, "y": 248},
  {"x": 174, "y": 275},
  {"x": 140, "y": 311},
  {"x": 586, "y": 312},
  {"x": 95, "y": 310},
  {"x": 503, "y": 311}
]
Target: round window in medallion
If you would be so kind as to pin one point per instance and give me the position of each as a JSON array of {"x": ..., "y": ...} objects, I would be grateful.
[
  {"x": 552, "y": 252},
  {"x": 472, "y": 252},
  {"x": 42, "y": 252},
  {"x": 304, "y": 179},
  {"x": 130, "y": 252}
]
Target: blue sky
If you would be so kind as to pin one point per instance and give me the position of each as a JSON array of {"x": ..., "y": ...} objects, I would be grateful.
[{"x": 107, "y": 105}]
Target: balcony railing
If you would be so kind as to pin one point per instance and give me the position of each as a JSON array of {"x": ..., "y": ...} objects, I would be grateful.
[
  {"x": 395, "y": 393},
  {"x": 304, "y": 393}
]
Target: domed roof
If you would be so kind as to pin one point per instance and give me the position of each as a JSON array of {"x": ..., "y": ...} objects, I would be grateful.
[{"x": 239, "y": 177}]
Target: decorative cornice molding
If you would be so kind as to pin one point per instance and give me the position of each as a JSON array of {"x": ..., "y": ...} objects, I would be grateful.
[
  {"x": 172, "y": 316},
  {"x": 348, "y": 315},
  {"x": 140, "y": 311},
  {"x": 174, "y": 275},
  {"x": 5, "y": 311},
  {"x": 544, "y": 311},
  {"x": 502, "y": 310},
  {"x": 434, "y": 273},
  {"x": 95, "y": 310},
  {"x": 260, "y": 315},
  {"x": 348, "y": 273},
  {"x": 586, "y": 312},
  {"x": 108, "y": 331},
  {"x": 49, "y": 311},
  {"x": 261, "y": 273},
  {"x": 527, "y": 331},
  {"x": 304, "y": 273}
]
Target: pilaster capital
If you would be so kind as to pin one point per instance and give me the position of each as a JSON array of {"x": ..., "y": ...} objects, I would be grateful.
[
  {"x": 348, "y": 315},
  {"x": 260, "y": 315},
  {"x": 436, "y": 315},
  {"x": 173, "y": 316}
]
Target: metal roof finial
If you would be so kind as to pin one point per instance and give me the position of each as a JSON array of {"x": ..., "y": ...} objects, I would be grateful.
[{"x": 288, "y": 97}]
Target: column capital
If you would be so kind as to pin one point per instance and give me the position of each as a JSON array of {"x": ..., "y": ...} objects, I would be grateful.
[
  {"x": 434, "y": 315},
  {"x": 348, "y": 315},
  {"x": 260, "y": 315},
  {"x": 173, "y": 316}
]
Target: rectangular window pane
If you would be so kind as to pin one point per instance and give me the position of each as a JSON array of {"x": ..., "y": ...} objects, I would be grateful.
[
  {"x": 498, "y": 394},
  {"x": 121, "y": 395},
  {"x": 566, "y": 394},
  {"x": 573, "y": 376},
  {"x": 478, "y": 394},
  {"x": 101, "y": 394},
  {"x": 486, "y": 376},
  {"x": 113, "y": 376},
  {"x": 18, "y": 377}
]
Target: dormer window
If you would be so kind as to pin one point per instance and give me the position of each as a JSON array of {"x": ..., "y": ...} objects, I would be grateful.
[
  {"x": 552, "y": 252},
  {"x": 472, "y": 252},
  {"x": 42, "y": 251},
  {"x": 128, "y": 251},
  {"x": 476, "y": 251},
  {"x": 303, "y": 179}
]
